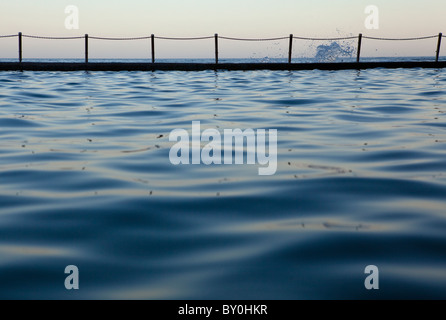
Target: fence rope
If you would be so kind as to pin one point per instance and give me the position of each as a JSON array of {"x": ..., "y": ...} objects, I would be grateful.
[
  {"x": 253, "y": 39},
  {"x": 222, "y": 37},
  {"x": 325, "y": 39},
  {"x": 50, "y": 38},
  {"x": 105, "y": 38},
  {"x": 193, "y": 38},
  {"x": 400, "y": 39}
]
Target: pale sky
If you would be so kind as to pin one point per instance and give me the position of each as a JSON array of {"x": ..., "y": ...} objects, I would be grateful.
[{"x": 241, "y": 18}]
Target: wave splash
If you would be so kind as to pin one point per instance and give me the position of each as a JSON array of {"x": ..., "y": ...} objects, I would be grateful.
[{"x": 334, "y": 52}]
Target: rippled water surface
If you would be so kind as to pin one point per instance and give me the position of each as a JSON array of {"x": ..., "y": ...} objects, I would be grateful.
[{"x": 85, "y": 180}]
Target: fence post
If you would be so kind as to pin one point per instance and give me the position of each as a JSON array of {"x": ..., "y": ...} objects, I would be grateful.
[
  {"x": 20, "y": 47},
  {"x": 216, "y": 48},
  {"x": 86, "y": 48},
  {"x": 152, "y": 37},
  {"x": 359, "y": 47},
  {"x": 440, "y": 35},
  {"x": 291, "y": 48}
]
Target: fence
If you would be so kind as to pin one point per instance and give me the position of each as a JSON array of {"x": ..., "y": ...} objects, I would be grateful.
[{"x": 216, "y": 37}]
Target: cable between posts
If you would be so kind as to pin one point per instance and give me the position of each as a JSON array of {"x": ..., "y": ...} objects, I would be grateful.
[
  {"x": 400, "y": 39},
  {"x": 253, "y": 39},
  {"x": 50, "y": 38},
  {"x": 119, "y": 39},
  {"x": 325, "y": 39},
  {"x": 220, "y": 37},
  {"x": 193, "y": 38}
]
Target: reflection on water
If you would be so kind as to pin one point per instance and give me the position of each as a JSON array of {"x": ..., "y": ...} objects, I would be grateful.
[{"x": 85, "y": 180}]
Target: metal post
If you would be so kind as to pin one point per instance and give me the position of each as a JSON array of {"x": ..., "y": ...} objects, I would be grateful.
[
  {"x": 152, "y": 37},
  {"x": 86, "y": 48},
  {"x": 359, "y": 47},
  {"x": 216, "y": 48},
  {"x": 291, "y": 48},
  {"x": 20, "y": 47},
  {"x": 440, "y": 35}
]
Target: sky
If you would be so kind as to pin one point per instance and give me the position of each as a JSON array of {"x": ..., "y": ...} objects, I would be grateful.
[{"x": 233, "y": 18}]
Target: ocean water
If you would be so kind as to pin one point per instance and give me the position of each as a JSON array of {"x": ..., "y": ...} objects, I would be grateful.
[
  {"x": 327, "y": 54},
  {"x": 86, "y": 180}
]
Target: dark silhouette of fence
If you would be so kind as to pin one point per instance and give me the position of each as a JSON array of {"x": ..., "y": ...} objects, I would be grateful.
[
  {"x": 152, "y": 38},
  {"x": 360, "y": 39}
]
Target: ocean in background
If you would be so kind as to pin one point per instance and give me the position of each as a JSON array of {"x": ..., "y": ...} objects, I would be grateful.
[
  {"x": 85, "y": 180},
  {"x": 321, "y": 57}
]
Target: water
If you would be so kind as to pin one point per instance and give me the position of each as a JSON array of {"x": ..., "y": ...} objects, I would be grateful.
[
  {"x": 334, "y": 52},
  {"x": 85, "y": 180},
  {"x": 324, "y": 53}
]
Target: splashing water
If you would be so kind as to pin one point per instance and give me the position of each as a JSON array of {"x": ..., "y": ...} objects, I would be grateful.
[{"x": 333, "y": 52}]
